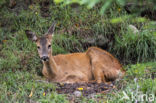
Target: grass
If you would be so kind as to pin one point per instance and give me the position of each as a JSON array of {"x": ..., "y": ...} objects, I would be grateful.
[
  {"x": 23, "y": 86},
  {"x": 138, "y": 82},
  {"x": 143, "y": 45},
  {"x": 76, "y": 30}
]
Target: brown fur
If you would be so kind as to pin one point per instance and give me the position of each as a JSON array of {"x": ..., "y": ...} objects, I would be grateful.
[{"x": 93, "y": 65}]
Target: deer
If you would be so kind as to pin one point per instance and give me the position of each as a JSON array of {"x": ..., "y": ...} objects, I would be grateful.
[{"x": 95, "y": 64}]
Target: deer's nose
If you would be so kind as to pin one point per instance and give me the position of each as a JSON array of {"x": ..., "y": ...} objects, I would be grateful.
[{"x": 45, "y": 58}]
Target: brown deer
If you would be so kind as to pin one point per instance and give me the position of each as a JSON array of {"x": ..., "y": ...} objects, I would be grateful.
[{"x": 93, "y": 65}]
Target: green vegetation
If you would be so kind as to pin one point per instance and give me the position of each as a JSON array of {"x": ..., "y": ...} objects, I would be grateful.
[
  {"x": 139, "y": 80},
  {"x": 106, "y": 4},
  {"x": 77, "y": 28},
  {"x": 23, "y": 86}
]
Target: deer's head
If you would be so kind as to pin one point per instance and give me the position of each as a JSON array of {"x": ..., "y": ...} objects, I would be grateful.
[{"x": 43, "y": 43}]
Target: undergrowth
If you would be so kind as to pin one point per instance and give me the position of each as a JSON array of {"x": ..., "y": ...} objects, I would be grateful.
[
  {"x": 23, "y": 86},
  {"x": 76, "y": 30}
]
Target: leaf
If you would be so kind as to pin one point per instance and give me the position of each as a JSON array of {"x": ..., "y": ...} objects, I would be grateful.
[
  {"x": 30, "y": 95},
  {"x": 4, "y": 41},
  {"x": 92, "y": 4},
  {"x": 80, "y": 88},
  {"x": 140, "y": 19},
  {"x": 58, "y": 1},
  {"x": 120, "y": 19},
  {"x": 105, "y": 6},
  {"x": 44, "y": 93},
  {"x": 77, "y": 25}
]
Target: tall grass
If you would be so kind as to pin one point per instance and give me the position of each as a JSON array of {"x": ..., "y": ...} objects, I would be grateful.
[{"x": 138, "y": 47}]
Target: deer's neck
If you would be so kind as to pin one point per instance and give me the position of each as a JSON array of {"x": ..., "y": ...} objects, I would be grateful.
[{"x": 51, "y": 67}]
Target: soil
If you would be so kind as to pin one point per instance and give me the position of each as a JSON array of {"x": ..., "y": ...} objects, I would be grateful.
[{"x": 86, "y": 89}]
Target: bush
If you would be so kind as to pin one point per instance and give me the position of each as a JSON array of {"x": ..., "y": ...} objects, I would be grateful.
[{"x": 138, "y": 47}]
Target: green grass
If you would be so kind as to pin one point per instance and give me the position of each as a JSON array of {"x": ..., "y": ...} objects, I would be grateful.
[
  {"x": 138, "y": 81},
  {"x": 143, "y": 45},
  {"x": 20, "y": 64},
  {"x": 18, "y": 85},
  {"x": 75, "y": 26}
]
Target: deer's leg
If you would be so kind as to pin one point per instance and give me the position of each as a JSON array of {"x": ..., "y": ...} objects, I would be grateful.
[
  {"x": 46, "y": 74},
  {"x": 104, "y": 74},
  {"x": 112, "y": 74},
  {"x": 98, "y": 73}
]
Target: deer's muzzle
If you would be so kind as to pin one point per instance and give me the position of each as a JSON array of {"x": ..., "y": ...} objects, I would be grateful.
[{"x": 45, "y": 58}]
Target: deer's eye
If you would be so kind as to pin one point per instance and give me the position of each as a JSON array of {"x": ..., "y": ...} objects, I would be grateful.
[
  {"x": 38, "y": 47},
  {"x": 49, "y": 46}
]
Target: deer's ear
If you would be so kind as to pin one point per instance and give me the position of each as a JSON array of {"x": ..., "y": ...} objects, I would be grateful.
[
  {"x": 30, "y": 35},
  {"x": 51, "y": 29}
]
